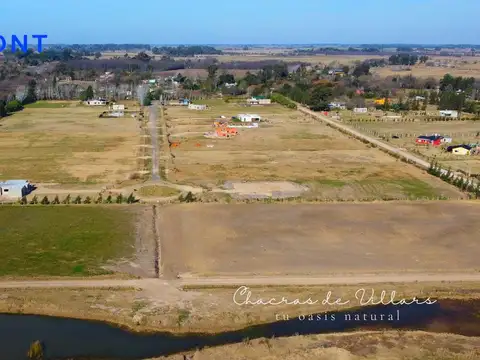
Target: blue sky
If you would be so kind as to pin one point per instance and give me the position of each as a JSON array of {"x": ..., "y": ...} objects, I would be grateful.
[{"x": 245, "y": 21}]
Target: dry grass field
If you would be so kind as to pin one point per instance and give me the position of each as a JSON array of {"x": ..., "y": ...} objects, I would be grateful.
[
  {"x": 462, "y": 132},
  {"x": 337, "y": 238},
  {"x": 289, "y": 147},
  {"x": 68, "y": 144},
  {"x": 387, "y": 345},
  {"x": 459, "y": 66}
]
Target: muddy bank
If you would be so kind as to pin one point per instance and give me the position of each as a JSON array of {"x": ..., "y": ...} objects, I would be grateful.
[{"x": 71, "y": 338}]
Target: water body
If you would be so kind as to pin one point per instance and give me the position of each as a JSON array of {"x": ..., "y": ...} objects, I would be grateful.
[{"x": 74, "y": 339}]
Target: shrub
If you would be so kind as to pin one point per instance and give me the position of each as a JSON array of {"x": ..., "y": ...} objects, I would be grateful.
[
  {"x": 131, "y": 199},
  {"x": 13, "y": 106},
  {"x": 23, "y": 201},
  {"x": 283, "y": 100},
  {"x": 187, "y": 198},
  {"x": 56, "y": 201},
  {"x": 78, "y": 200},
  {"x": 34, "y": 200},
  {"x": 67, "y": 200},
  {"x": 87, "y": 200},
  {"x": 99, "y": 199},
  {"x": 119, "y": 199},
  {"x": 109, "y": 200},
  {"x": 45, "y": 201},
  {"x": 35, "y": 352}
]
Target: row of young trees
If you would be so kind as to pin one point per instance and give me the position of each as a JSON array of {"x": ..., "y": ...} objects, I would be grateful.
[
  {"x": 457, "y": 181},
  {"x": 119, "y": 199}
]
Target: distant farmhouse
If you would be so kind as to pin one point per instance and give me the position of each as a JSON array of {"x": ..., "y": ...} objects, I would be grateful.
[
  {"x": 259, "y": 100},
  {"x": 98, "y": 102},
  {"x": 336, "y": 72},
  {"x": 449, "y": 113}
]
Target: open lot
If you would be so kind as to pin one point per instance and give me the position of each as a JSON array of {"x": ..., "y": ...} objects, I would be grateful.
[
  {"x": 462, "y": 132},
  {"x": 466, "y": 66},
  {"x": 69, "y": 240},
  {"x": 337, "y": 238},
  {"x": 290, "y": 147},
  {"x": 67, "y": 143}
]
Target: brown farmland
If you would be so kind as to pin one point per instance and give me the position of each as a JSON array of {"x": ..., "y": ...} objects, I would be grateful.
[
  {"x": 68, "y": 144},
  {"x": 341, "y": 238},
  {"x": 290, "y": 147}
]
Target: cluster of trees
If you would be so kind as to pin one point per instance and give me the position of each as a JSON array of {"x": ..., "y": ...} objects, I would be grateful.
[
  {"x": 119, "y": 199},
  {"x": 283, "y": 100},
  {"x": 403, "y": 59},
  {"x": 449, "y": 83},
  {"x": 186, "y": 51},
  {"x": 460, "y": 182},
  {"x": 23, "y": 96}
]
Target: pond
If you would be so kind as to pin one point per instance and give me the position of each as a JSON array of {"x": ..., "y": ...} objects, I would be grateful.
[{"x": 65, "y": 338}]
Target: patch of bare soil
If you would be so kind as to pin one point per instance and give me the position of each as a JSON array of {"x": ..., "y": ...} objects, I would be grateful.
[
  {"x": 339, "y": 238},
  {"x": 387, "y": 345},
  {"x": 145, "y": 262},
  {"x": 259, "y": 189}
]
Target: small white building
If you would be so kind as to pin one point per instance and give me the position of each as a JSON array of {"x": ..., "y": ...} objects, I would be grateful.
[
  {"x": 337, "y": 105},
  {"x": 197, "y": 107},
  {"x": 449, "y": 113},
  {"x": 98, "y": 102},
  {"x": 360, "y": 110},
  {"x": 259, "y": 101},
  {"x": 419, "y": 98},
  {"x": 15, "y": 189},
  {"x": 249, "y": 117},
  {"x": 118, "y": 107}
]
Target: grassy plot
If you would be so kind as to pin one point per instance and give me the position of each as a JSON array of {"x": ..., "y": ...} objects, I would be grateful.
[
  {"x": 62, "y": 241},
  {"x": 48, "y": 105},
  {"x": 157, "y": 191}
]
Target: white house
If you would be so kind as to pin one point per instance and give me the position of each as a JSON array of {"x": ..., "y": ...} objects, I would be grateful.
[
  {"x": 449, "y": 113},
  {"x": 249, "y": 117},
  {"x": 360, "y": 110},
  {"x": 15, "y": 189},
  {"x": 337, "y": 105},
  {"x": 419, "y": 98},
  {"x": 259, "y": 101},
  {"x": 118, "y": 107},
  {"x": 197, "y": 107},
  {"x": 99, "y": 102}
]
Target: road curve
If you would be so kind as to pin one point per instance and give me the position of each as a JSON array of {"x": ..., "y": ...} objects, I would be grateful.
[
  {"x": 392, "y": 149},
  {"x": 247, "y": 281}
]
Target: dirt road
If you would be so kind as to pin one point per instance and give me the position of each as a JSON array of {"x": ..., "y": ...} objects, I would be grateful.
[{"x": 247, "y": 281}]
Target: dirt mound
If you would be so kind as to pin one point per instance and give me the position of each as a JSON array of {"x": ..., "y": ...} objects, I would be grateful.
[{"x": 265, "y": 189}]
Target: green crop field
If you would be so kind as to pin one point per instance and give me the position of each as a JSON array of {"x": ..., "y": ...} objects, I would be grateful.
[{"x": 63, "y": 240}]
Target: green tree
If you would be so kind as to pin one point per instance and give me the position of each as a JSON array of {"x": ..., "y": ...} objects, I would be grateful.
[
  {"x": 56, "y": 201},
  {"x": 45, "y": 201},
  {"x": 31, "y": 93},
  {"x": 119, "y": 199},
  {"x": 34, "y": 200},
  {"x": 212, "y": 77},
  {"x": 67, "y": 200},
  {"x": 319, "y": 98},
  {"x": 87, "y": 200},
  {"x": 89, "y": 93},
  {"x": 3, "y": 110},
  {"x": 131, "y": 199},
  {"x": 13, "y": 106},
  {"x": 98, "y": 55},
  {"x": 78, "y": 200}
]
